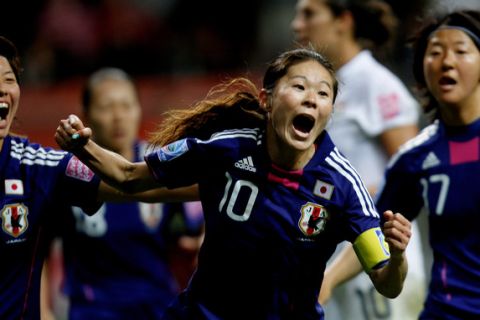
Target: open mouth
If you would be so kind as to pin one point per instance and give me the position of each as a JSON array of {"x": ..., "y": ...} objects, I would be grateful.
[
  {"x": 303, "y": 123},
  {"x": 3, "y": 110},
  {"x": 447, "y": 81}
]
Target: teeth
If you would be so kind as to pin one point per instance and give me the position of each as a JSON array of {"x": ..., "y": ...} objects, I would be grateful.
[{"x": 3, "y": 110}]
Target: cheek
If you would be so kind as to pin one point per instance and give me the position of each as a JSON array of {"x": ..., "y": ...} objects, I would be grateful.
[
  {"x": 428, "y": 71},
  {"x": 472, "y": 72}
]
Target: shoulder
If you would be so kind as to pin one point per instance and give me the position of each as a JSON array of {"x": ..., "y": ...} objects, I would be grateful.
[
  {"x": 33, "y": 154},
  {"x": 220, "y": 146},
  {"x": 239, "y": 136},
  {"x": 346, "y": 178},
  {"x": 232, "y": 140},
  {"x": 374, "y": 75},
  {"x": 409, "y": 154}
]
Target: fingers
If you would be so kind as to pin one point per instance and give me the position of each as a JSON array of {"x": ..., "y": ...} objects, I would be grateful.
[
  {"x": 71, "y": 133},
  {"x": 75, "y": 122},
  {"x": 397, "y": 231}
]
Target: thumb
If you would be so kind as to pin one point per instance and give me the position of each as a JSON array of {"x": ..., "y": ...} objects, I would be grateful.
[
  {"x": 388, "y": 215},
  {"x": 86, "y": 133},
  {"x": 83, "y": 134}
]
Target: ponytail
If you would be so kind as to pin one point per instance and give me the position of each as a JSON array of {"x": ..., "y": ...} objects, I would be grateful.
[{"x": 227, "y": 106}]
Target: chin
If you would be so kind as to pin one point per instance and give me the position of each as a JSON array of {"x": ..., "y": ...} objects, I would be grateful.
[{"x": 300, "y": 145}]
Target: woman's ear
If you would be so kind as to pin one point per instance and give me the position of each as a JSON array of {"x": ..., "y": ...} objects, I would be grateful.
[{"x": 264, "y": 98}]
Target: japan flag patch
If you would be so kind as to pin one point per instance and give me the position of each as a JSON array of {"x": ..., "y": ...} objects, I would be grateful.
[
  {"x": 76, "y": 169},
  {"x": 323, "y": 189},
  {"x": 14, "y": 186}
]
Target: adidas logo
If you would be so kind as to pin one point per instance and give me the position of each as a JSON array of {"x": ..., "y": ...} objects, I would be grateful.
[
  {"x": 430, "y": 161},
  {"x": 246, "y": 164}
]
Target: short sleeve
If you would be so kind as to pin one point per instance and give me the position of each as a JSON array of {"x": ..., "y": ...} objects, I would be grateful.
[
  {"x": 390, "y": 105},
  {"x": 361, "y": 221},
  {"x": 363, "y": 225},
  {"x": 180, "y": 163},
  {"x": 77, "y": 185}
]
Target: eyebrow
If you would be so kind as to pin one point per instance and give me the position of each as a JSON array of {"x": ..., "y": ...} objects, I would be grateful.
[
  {"x": 305, "y": 78},
  {"x": 437, "y": 42}
]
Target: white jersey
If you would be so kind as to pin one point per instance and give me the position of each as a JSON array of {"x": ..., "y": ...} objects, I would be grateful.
[{"x": 372, "y": 100}]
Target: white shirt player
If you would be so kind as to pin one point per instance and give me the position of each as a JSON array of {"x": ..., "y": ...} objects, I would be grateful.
[{"x": 371, "y": 100}]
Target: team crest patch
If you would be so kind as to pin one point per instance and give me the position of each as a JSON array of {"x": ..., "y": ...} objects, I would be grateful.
[
  {"x": 151, "y": 214},
  {"x": 313, "y": 219},
  {"x": 14, "y": 219},
  {"x": 76, "y": 169},
  {"x": 173, "y": 150}
]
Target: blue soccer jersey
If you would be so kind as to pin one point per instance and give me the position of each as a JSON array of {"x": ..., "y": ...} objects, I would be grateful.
[
  {"x": 440, "y": 170},
  {"x": 36, "y": 183},
  {"x": 268, "y": 232},
  {"x": 116, "y": 260}
]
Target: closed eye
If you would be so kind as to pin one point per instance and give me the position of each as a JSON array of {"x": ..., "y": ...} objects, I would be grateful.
[
  {"x": 299, "y": 86},
  {"x": 323, "y": 93}
]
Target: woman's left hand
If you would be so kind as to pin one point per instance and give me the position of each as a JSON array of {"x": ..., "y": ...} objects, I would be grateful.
[{"x": 397, "y": 231}]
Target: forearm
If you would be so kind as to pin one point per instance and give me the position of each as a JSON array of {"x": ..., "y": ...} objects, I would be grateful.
[
  {"x": 109, "y": 166},
  {"x": 389, "y": 279},
  {"x": 190, "y": 193}
]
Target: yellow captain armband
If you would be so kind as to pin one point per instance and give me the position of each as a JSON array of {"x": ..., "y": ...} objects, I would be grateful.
[{"x": 371, "y": 249}]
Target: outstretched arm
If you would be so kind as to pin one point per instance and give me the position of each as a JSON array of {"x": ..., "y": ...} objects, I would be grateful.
[
  {"x": 108, "y": 193},
  {"x": 129, "y": 177}
]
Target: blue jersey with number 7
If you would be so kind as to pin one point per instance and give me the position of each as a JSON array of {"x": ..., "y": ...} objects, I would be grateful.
[{"x": 440, "y": 171}]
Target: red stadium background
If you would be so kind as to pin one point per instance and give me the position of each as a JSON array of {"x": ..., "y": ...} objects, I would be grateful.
[{"x": 41, "y": 108}]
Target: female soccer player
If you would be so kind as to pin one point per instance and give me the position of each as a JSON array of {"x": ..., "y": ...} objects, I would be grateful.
[
  {"x": 117, "y": 261},
  {"x": 440, "y": 168},
  {"x": 36, "y": 183},
  {"x": 277, "y": 194},
  {"x": 374, "y": 115}
]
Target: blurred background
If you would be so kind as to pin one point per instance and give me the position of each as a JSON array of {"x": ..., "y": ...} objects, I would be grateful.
[{"x": 174, "y": 49}]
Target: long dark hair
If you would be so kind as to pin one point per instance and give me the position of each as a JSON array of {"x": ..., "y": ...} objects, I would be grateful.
[
  {"x": 233, "y": 104},
  {"x": 375, "y": 22},
  {"x": 10, "y": 52},
  {"x": 467, "y": 20}
]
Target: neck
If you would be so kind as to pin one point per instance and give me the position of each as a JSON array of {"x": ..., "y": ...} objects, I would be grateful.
[
  {"x": 464, "y": 113},
  {"x": 286, "y": 157},
  {"x": 347, "y": 51}
]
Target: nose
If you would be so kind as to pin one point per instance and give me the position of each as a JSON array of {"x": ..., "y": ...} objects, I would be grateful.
[
  {"x": 448, "y": 60},
  {"x": 296, "y": 24},
  {"x": 310, "y": 99}
]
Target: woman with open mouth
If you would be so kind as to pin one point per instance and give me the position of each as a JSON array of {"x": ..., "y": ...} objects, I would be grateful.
[
  {"x": 439, "y": 170},
  {"x": 36, "y": 183},
  {"x": 277, "y": 194}
]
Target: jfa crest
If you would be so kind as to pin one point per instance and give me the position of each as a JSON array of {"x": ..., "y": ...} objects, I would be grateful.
[
  {"x": 151, "y": 214},
  {"x": 313, "y": 219},
  {"x": 14, "y": 219}
]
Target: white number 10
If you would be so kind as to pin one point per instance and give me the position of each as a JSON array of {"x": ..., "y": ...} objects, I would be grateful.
[{"x": 239, "y": 184}]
